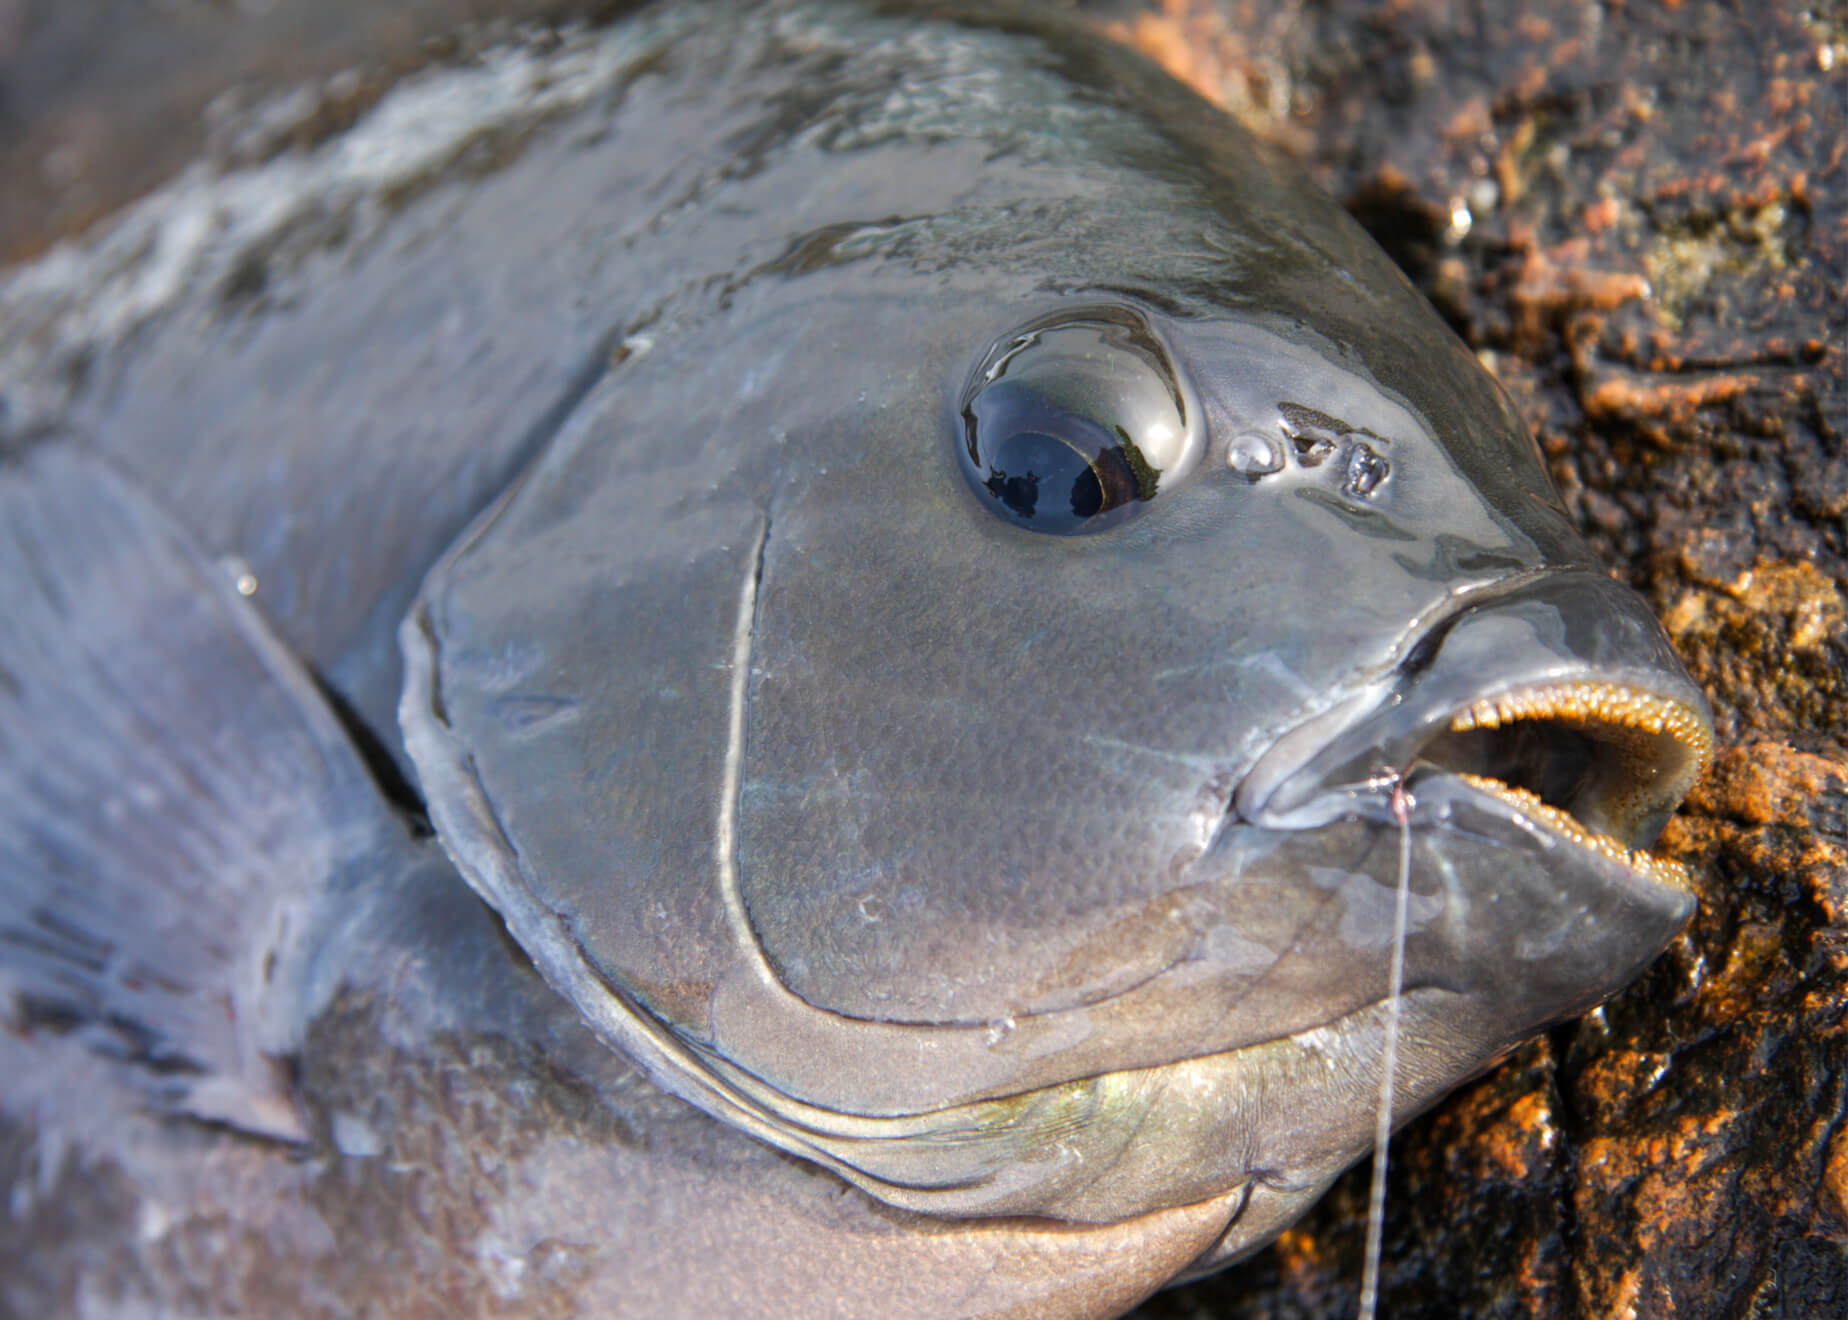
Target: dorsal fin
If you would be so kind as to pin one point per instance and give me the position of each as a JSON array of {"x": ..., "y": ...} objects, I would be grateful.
[{"x": 176, "y": 798}]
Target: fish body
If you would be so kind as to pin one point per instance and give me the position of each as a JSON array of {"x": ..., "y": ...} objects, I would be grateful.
[{"x": 925, "y": 578}]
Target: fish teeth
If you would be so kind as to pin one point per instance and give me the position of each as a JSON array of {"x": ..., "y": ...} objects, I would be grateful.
[
  {"x": 1625, "y": 719},
  {"x": 1662, "y": 870},
  {"x": 1613, "y": 707}
]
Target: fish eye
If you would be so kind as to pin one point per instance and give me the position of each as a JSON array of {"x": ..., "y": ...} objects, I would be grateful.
[{"x": 1074, "y": 422}]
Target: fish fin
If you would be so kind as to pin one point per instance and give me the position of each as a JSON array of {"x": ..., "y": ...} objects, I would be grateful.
[{"x": 175, "y": 796}]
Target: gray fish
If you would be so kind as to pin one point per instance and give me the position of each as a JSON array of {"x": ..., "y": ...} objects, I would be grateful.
[{"x": 923, "y": 576}]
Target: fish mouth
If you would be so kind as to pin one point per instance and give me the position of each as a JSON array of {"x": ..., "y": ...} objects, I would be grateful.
[
  {"x": 1598, "y": 764},
  {"x": 1588, "y": 733}
]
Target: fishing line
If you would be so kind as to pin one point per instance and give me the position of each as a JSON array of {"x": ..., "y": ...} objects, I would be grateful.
[{"x": 1382, "y": 1130}]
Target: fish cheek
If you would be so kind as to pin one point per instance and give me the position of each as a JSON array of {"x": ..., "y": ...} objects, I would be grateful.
[
  {"x": 974, "y": 751},
  {"x": 594, "y": 652},
  {"x": 573, "y": 720}
]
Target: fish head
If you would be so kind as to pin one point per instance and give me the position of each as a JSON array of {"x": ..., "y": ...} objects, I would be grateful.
[{"x": 959, "y": 705}]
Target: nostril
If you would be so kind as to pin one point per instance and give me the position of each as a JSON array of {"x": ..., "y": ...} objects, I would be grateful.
[{"x": 1423, "y": 653}]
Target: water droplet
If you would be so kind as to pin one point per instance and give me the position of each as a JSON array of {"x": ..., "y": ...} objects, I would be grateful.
[
  {"x": 243, "y": 580},
  {"x": 1460, "y": 221},
  {"x": 1254, "y": 455},
  {"x": 999, "y": 1030}
]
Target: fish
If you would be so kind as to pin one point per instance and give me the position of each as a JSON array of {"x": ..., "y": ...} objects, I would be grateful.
[{"x": 773, "y": 660}]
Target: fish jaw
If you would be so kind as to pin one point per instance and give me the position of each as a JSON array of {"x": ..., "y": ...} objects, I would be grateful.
[{"x": 1533, "y": 742}]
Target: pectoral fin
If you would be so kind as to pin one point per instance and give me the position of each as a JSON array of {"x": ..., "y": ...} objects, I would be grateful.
[{"x": 177, "y": 802}]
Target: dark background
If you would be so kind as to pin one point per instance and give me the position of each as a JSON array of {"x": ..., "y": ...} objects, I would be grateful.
[{"x": 1635, "y": 213}]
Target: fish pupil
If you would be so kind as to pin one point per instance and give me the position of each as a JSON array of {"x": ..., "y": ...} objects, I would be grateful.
[
  {"x": 1045, "y": 465},
  {"x": 1073, "y": 423}
]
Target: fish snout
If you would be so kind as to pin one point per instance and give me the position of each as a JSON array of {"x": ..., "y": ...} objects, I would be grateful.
[
  {"x": 1560, "y": 697},
  {"x": 1516, "y": 765}
]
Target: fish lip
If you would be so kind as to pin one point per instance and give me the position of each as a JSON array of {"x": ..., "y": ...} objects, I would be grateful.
[
  {"x": 1558, "y": 826},
  {"x": 1555, "y": 694},
  {"x": 1647, "y": 748}
]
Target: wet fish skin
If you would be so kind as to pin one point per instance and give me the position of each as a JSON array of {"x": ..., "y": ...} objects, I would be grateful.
[
  {"x": 965, "y": 964},
  {"x": 278, "y": 430}
]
